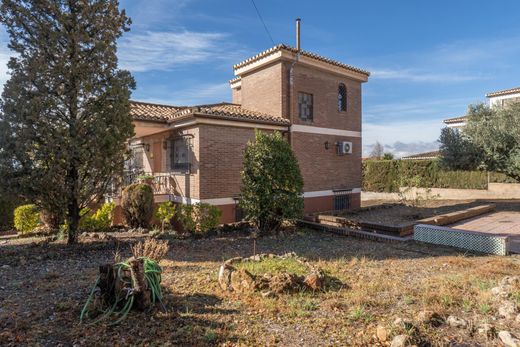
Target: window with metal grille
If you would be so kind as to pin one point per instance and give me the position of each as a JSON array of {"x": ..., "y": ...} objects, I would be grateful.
[
  {"x": 305, "y": 106},
  {"x": 342, "y": 199},
  {"x": 180, "y": 154},
  {"x": 342, "y": 97},
  {"x": 135, "y": 162}
]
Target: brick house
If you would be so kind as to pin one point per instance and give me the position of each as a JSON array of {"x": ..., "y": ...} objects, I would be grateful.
[
  {"x": 195, "y": 153},
  {"x": 499, "y": 98}
]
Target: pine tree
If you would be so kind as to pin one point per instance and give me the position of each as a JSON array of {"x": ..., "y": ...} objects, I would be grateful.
[{"x": 65, "y": 109}]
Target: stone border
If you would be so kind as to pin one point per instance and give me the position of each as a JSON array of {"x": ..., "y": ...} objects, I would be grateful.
[
  {"x": 463, "y": 239},
  {"x": 240, "y": 280}
]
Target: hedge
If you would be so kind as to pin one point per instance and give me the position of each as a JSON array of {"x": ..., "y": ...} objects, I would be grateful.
[{"x": 389, "y": 175}]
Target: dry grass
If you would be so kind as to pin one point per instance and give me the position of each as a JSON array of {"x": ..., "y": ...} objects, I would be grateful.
[
  {"x": 150, "y": 248},
  {"x": 381, "y": 281},
  {"x": 273, "y": 266}
]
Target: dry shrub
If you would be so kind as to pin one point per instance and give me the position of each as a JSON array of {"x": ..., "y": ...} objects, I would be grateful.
[{"x": 151, "y": 248}]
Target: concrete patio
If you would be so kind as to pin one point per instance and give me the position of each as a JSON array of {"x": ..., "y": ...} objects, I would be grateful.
[{"x": 498, "y": 223}]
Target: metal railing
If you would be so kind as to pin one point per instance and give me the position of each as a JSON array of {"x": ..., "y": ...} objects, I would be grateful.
[{"x": 161, "y": 182}]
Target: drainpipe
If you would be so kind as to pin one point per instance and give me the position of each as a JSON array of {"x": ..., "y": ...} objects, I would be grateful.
[{"x": 291, "y": 79}]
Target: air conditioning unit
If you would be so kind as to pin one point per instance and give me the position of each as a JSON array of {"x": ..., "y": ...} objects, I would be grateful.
[{"x": 344, "y": 147}]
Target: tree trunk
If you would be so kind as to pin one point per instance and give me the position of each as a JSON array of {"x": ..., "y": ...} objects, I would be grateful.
[
  {"x": 112, "y": 287},
  {"x": 73, "y": 209}
]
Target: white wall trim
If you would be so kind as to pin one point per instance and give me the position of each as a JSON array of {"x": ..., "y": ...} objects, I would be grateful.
[
  {"x": 230, "y": 123},
  {"x": 324, "y": 131},
  {"x": 231, "y": 201}
]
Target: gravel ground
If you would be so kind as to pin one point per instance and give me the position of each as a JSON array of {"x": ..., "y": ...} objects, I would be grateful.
[{"x": 43, "y": 286}]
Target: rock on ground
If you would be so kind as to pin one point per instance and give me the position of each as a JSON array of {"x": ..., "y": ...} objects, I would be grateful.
[
  {"x": 382, "y": 333},
  {"x": 399, "y": 341},
  {"x": 487, "y": 330},
  {"x": 456, "y": 322},
  {"x": 508, "y": 340},
  {"x": 507, "y": 309}
]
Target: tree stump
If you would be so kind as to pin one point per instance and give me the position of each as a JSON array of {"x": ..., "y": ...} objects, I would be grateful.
[{"x": 115, "y": 285}]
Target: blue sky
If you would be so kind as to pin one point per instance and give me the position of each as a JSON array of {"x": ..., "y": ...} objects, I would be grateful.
[{"x": 429, "y": 59}]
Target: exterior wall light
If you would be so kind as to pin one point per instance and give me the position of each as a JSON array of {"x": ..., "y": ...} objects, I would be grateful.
[
  {"x": 327, "y": 145},
  {"x": 147, "y": 147},
  {"x": 165, "y": 145}
]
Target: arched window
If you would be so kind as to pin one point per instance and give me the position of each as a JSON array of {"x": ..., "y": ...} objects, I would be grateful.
[{"x": 342, "y": 97}]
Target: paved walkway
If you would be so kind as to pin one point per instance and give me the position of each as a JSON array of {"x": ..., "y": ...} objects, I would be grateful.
[{"x": 502, "y": 223}]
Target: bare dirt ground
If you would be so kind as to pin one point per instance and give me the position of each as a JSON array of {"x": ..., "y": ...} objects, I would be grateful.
[
  {"x": 43, "y": 287},
  {"x": 397, "y": 214}
]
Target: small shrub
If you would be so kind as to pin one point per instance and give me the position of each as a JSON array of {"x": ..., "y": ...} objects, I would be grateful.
[
  {"x": 200, "y": 217},
  {"x": 186, "y": 217},
  {"x": 26, "y": 218},
  {"x": 165, "y": 213},
  {"x": 99, "y": 220},
  {"x": 207, "y": 217},
  {"x": 272, "y": 184},
  {"x": 137, "y": 205}
]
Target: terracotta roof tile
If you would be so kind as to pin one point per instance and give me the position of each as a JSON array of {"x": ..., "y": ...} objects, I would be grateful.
[
  {"x": 455, "y": 120},
  {"x": 165, "y": 113},
  {"x": 304, "y": 53},
  {"x": 426, "y": 155},
  {"x": 504, "y": 92},
  {"x": 155, "y": 112}
]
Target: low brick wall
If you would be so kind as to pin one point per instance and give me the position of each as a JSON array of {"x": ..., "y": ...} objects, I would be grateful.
[
  {"x": 404, "y": 230},
  {"x": 506, "y": 191},
  {"x": 463, "y": 239}
]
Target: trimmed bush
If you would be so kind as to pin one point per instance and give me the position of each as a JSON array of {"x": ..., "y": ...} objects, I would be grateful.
[
  {"x": 137, "y": 205},
  {"x": 199, "y": 218},
  {"x": 26, "y": 218},
  {"x": 387, "y": 176},
  {"x": 272, "y": 184},
  {"x": 381, "y": 176},
  {"x": 99, "y": 220}
]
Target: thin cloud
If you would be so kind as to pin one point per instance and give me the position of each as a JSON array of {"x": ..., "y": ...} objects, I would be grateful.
[
  {"x": 165, "y": 51},
  {"x": 421, "y": 76},
  {"x": 453, "y": 62}
]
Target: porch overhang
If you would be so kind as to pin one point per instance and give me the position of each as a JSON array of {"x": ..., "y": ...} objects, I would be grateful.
[{"x": 146, "y": 128}]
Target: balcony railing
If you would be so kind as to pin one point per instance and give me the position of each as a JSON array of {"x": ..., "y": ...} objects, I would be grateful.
[{"x": 161, "y": 182}]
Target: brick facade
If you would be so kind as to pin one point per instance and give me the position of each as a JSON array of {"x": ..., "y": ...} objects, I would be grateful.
[{"x": 218, "y": 148}]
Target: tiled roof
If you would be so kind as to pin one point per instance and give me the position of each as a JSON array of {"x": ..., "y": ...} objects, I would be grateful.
[
  {"x": 303, "y": 53},
  {"x": 504, "y": 92},
  {"x": 155, "y": 112},
  {"x": 426, "y": 155},
  {"x": 165, "y": 113},
  {"x": 232, "y": 112},
  {"x": 236, "y": 79},
  {"x": 455, "y": 120}
]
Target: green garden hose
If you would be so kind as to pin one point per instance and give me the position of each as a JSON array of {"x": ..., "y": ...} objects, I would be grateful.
[{"x": 152, "y": 273}]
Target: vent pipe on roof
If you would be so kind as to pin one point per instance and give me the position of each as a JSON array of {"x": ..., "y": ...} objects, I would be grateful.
[{"x": 298, "y": 20}]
